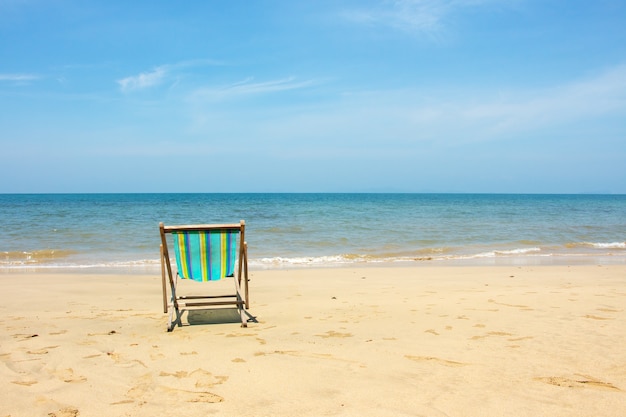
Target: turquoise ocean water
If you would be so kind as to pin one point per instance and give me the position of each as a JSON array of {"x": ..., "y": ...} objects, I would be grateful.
[{"x": 120, "y": 231}]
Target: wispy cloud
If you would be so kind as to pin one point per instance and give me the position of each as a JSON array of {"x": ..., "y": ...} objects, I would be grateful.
[
  {"x": 412, "y": 16},
  {"x": 246, "y": 88},
  {"x": 18, "y": 77},
  {"x": 160, "y": 74},
  {"x": 463, "y": 116},
  {"x": 143, "y": 80},
  {"x": 416, "y": 119},
  {"x": 602, "y": 95}
]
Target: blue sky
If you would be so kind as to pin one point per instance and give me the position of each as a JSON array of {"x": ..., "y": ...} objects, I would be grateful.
[{"x": 509, "y": 96}]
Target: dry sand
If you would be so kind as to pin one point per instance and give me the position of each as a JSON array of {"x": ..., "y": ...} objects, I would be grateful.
[{"x": 376, "y": 341}]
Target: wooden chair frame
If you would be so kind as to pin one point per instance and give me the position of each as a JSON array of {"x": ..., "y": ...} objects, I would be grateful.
[{"x": 179, "y": 303}]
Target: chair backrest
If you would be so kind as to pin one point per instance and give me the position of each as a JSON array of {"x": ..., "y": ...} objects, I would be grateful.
[{"x": 206, "y": 252}]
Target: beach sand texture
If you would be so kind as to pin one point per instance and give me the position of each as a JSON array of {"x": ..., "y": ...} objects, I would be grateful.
[{"x": 375, "y": 341}]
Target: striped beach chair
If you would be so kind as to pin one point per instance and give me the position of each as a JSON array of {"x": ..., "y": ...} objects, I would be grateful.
[{"x": 204, "y": 253}]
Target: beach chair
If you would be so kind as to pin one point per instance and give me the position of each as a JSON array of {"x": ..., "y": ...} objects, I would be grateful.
[{"x": 204, "y": 253}]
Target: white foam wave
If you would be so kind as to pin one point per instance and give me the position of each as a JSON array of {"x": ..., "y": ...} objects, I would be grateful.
[
  {"x": 597, "y": 245},
  {"x": 348, "y": 259},
  {"x": 612, "y": 245},
  {"x": 153, "y": 265},
  {"x": 147, "y": 264},
  {"x": 511, "y": 252},
  {"x": 302, "y": 261}
]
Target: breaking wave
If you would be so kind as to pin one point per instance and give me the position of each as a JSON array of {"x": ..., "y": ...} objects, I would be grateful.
[{"x": 597, "y": 245}]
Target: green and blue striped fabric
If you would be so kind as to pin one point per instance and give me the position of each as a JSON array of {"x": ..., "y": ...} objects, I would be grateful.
[{"x": 205, "y": 255}]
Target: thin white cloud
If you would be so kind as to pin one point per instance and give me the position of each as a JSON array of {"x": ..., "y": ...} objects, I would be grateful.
[
  {"x": 604, "y": 94},
  {"x": 453, "y": 116},
  {"x": 445, "y": 116},
  {"x": 160, "y": 74},
  {"x": 413, "y": 16},
  {"x": 143, "y": 80},
  {"x": 247, "y": 88},
  {"x": 289, "y": 83},
  {"x": 18, "y": 77}
]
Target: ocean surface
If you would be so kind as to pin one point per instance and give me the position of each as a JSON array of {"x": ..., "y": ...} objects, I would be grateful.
[{"x": 120, "y": 231}]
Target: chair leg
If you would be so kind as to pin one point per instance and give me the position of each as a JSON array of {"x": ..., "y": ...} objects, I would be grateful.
[
  {"x": 173, "y": 307},
  {"x": 172, "y": 323},
  {"x": 243, "y": 315}
]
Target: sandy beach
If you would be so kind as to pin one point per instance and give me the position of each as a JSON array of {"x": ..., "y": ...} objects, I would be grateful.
[{"x": 375, "y": 341}]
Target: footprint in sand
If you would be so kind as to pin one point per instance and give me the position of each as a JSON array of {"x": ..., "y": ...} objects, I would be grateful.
[
  {"x": 298, "y": 354},
  {"x": 123, "y": 362},
  {"x": 202, "y": 378},
  {"x": 609, "y": 310},
  {"x": 194, "y": 396},
  {"x": 68, "y": 375},
  {"x": 139, "y": 390},
  {"x": 25, "y": 383},
  {"x": 520, "y": 306},
  {"x": 65, "y": 412},
  {"x": 41, "y": 351},
  {"x": 491, "y": 334},
  {"x": 433, "y": 359},
  {"x": 109, "y": 333},
  {"x": 190, "y": 387},
  {"x": 332, "y": 333},
  {"x": 584, "y": 382},
  {"x": 24, "y": 336},
  {"x": 590, "y": 316},
  {"x": 517, "y": 339}
]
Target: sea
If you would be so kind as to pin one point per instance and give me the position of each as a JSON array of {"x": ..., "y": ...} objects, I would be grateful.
[{"x": 120, "y": 232}]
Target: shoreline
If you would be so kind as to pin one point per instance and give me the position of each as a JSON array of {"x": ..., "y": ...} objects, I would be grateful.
[
  {"x": 382, "y": 341},
  {"x": 498, "y": 261}
]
